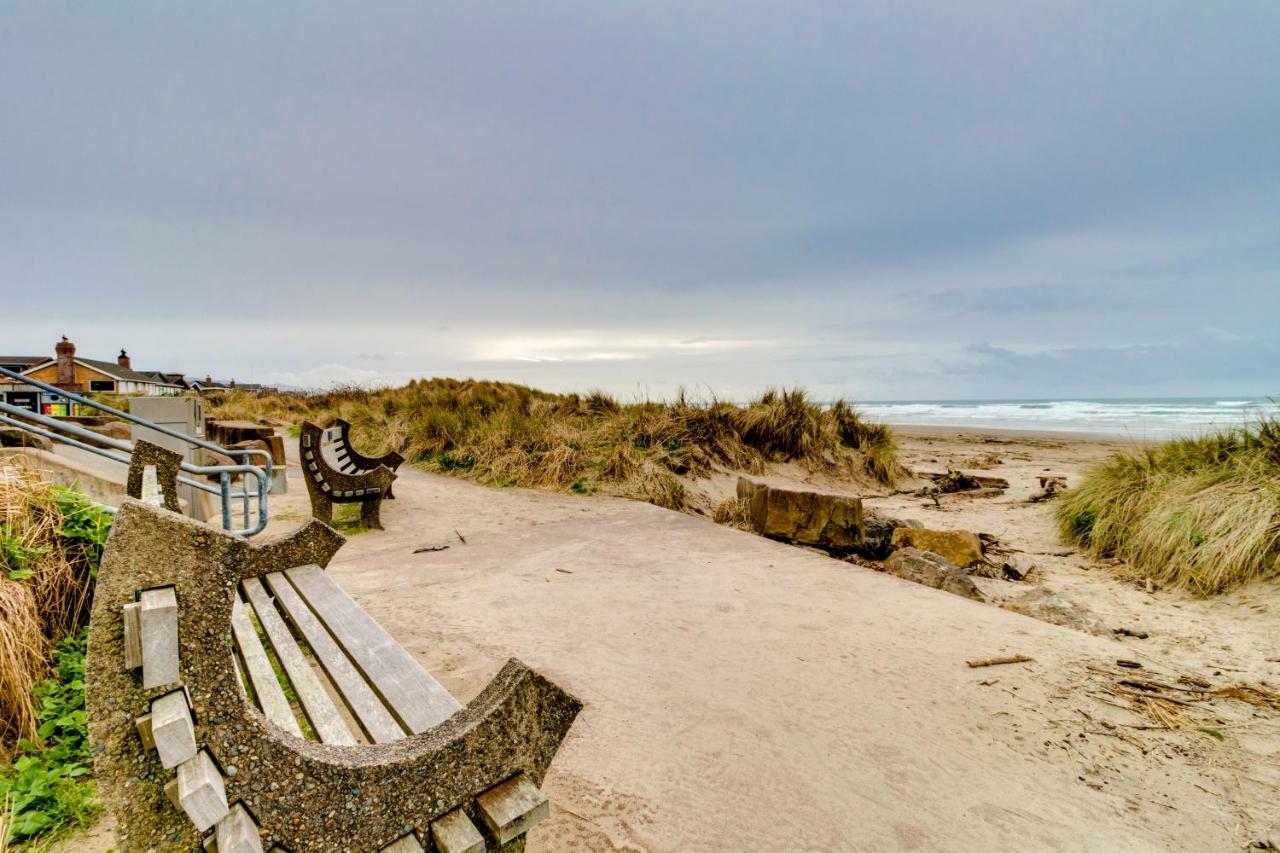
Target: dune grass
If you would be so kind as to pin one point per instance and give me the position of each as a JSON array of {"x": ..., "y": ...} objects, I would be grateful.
[
  {"x": 504, "y": 434},
  {"x": 1201, "y": 514}
]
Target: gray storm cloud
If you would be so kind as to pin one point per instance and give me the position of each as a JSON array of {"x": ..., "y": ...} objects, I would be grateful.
[{"x": 879, "y": 200}]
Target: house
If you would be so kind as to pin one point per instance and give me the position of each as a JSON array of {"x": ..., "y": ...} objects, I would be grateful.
[
  {"x": 72, "y": 373},
  {"x": 19, "y": 363},
  {"x": 209, "y": 385}
]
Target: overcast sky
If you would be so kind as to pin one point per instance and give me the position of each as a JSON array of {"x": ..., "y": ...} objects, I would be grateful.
[{"x": 879, "y": 200}]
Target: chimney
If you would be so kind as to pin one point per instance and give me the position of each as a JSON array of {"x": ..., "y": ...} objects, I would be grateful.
[
  {"x": 66, "y": 364},
  {"x": 208, "y": 380},
  {"x": 233, "y": 383},
  {"x": 123, "y": 360}
]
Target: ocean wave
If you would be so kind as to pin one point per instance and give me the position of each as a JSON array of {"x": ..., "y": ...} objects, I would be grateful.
[{"x": 1150, "y": 417}]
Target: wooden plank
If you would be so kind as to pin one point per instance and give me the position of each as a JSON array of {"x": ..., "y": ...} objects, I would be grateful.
[
  {"x": 512, "y": 808},
  {"x": 132, "y": 635},
  {"x": 266, "y": 686},
  {"x": 238, "y": 833},
  {"x": 364, "y": 703},
  {"x": 418, "y": 700},
  {"x": 320, "y": 710},
  {"x": 455, "y": 833},
  {"x": 405, "y": 844},
  {"x": 143, "y": 724},
  {"x": 171, "y": 791},
  {"x": 201, "y": 791},
  {"x": 172, "y": 729},
  {"x": 158, "y": 620}
]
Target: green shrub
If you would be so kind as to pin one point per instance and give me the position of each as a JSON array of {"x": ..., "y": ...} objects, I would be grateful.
[{"x": 47, "y": 786}]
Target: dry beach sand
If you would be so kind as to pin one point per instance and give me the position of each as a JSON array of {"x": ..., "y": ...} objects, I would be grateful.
[{"x": 743, "y": 694}]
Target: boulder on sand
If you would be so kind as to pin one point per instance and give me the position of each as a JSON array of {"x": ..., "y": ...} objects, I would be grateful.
[
  {"x": 1046, "y": 605},
  {"x": 958, "y": 546},
  {"x": 830, "y": 522},
  {"x": 14, "y": 437},
  {"x": 932, "y": 570},
  {"x": 877, "y": 534}
]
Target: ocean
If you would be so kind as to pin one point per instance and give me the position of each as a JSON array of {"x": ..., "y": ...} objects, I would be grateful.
[{"x": 1137, "y": 418}]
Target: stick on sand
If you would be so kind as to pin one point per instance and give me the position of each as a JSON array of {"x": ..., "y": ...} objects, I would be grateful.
[{"x": 997, "y": 661}]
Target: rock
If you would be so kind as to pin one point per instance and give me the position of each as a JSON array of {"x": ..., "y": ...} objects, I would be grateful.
[
  {"x": 14, "y": 437},
  {"x": 931, "y": 570},
  {"x": 1016, "y": 567},
  {"x": 1050, "y": 486},
  {"x": 830, "y": 522},
  {"x": 958, "y": 546},
  {"x": 1044, "y": 604},
  {"x": 877, "y": 534}
]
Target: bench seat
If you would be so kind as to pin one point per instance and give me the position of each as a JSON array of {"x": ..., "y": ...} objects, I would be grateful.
[{"x": 240, "y": 699}]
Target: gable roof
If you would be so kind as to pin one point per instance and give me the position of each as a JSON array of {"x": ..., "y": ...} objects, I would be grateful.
[{"x": 110, "y": 368}]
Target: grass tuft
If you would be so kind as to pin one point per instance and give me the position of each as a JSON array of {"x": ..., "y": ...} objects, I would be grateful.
[{"x": 1201, "y": 514}]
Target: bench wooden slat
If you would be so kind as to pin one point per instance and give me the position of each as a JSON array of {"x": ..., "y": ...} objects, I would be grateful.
[
  {"x": 365, "y": 704},
  {"x": 418, "y": 700},
  {"x": 512, "y": 808},
  {"x": 158, "y": 621},
  {"x": 320, "y": 710},
  {"x": 263, "y": 678}
]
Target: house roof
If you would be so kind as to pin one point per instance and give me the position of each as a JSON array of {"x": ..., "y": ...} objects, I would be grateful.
[
  {"x": 111, "y": 369},
  {"x": 23, "y": 359}
]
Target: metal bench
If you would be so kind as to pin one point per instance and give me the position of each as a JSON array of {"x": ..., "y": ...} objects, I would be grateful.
[
  {"x": 352, "y": 461},
  {"x": 238, "y": 698},
  {"x": 328, "y": 486}
]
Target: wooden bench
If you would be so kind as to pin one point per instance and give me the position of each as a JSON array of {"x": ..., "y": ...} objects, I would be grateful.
[
  {"x": 327, "y": 485},
  {"x": 351, "y": 461},
  {"x": 239, "y": 698}
]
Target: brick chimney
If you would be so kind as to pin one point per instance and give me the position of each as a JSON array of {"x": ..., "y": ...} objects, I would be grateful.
[
  {"x": 232, "y": 384},
  {"x": 123, "y": 360},
  {"x": 66, "y": 364}
]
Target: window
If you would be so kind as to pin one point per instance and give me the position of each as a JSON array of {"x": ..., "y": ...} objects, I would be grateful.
[{"x": 102, "y": 385}]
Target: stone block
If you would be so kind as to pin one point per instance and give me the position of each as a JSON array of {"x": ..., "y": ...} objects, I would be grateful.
[
  {"x": 822, "y": 520},
  {"x": 957, "y": 546},
  {"x": 932, "y": 570}
]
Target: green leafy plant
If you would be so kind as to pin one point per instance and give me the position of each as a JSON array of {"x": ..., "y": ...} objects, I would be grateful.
[
  {"x": 17, "y": 557},
  {"x": 85, "y": 525},
  {"x": 47, "y": 785}
]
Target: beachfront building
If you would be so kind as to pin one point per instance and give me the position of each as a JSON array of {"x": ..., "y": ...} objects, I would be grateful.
[{"x": 78, "y": 375}]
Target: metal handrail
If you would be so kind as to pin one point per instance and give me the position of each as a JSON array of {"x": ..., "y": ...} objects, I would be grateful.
[
  {"x": 103, "y": 407},
  {"x": 262, "y": 475}
]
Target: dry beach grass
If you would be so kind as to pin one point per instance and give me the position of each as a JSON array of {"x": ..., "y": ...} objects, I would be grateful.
[
  {"x": 45, "y": 587},
  {"x": 1201, "y": 514},
  {"x": 504, "y": 434}
]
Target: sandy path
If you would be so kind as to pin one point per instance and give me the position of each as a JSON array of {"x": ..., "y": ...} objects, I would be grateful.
[
  {"x": 746, "y": 695},
  {"x": 743, "y": 694}
]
